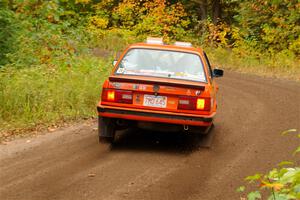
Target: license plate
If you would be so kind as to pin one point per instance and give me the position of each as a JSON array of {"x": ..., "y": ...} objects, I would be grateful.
[{"x": 155, "y": 101}]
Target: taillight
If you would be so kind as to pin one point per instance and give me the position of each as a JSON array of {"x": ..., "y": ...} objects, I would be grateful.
[
  {"x": 111, "y": 95},
  {"x": 193, "y": 103},
  {"x": 200, "y": 104},
  {"x": 123, "y": 96},
  {"x": 187, "y": 103},
  {"x": 118, "y": 96}
]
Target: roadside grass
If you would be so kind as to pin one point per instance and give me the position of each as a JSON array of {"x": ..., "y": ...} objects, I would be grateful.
[
  {"x": 114, "y": 40},
  {"x": 278, "y": 66},
  {"x": 35, "y": 96}
]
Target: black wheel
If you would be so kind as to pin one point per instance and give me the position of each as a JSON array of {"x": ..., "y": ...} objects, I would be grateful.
[{"x": 106, "y": 130}]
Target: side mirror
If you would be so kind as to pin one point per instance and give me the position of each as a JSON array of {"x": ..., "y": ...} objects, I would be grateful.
[
  {"x": 114, "y": 62},
  {"x": 218, "y": 73}
]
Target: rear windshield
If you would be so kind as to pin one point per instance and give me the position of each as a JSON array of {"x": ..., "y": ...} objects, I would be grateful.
[{"x": 162, "y": 63}]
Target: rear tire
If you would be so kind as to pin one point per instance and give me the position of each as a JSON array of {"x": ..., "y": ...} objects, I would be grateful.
[{"x": 106, "y": 130}]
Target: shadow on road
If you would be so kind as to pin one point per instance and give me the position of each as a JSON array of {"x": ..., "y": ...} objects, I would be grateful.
[{"x": 177, "y": 142}]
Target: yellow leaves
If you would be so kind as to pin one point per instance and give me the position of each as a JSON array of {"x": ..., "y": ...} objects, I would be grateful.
[
  {"x": 98, "y": 22},
  {"x": 295, "y": 45},
  {"x": 154, "y": 17},
  {"x": 103, "y": 5},
  {"x": 219, "y": 34},
  {"x": 275, "y": 186},
  {"x": 82, "y": 1},
  {"x": 293, "y": 130},
  {"x": 127, "y": 12},
  {"x": 96, "y": 26}
]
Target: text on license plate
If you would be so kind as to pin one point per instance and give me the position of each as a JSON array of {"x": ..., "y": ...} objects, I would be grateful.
[{"x": 155, "y": 101}]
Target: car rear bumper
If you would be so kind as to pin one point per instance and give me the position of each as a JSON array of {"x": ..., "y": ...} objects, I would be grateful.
[{"x": 152, "y": 116}]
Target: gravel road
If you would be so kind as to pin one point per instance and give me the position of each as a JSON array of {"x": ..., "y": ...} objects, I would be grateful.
[{"x": 71, "y": 164}]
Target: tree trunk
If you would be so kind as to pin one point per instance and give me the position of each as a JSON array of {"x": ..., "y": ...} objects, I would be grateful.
[
  {"x": 203, "y": 9},
  {"x": 216, "y": 10}
]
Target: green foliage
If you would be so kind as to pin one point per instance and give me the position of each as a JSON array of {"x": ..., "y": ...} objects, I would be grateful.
[
  {"x": 282, "y": 183},
  {"x": 241, "y": 189},
  {"x": 254, "y": 195},
  {"x": 285, "y": 163},
  {"x": 253, "y": 178},
  {"x": 51, "y": 46},
  {"x": 265, "y": 34},
  {"x": 8, "y": 33},
  {"x": 52, "y": 75},
  {"x": 272, "y": 26}
]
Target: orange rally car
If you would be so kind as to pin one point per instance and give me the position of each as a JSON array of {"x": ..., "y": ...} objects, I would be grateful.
[{"x": 158, "y": 86}]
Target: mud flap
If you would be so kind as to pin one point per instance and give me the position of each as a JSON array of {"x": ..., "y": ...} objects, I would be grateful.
[
  {"x": 207, "y": 139},
  {"x": 106, "y": 127}
]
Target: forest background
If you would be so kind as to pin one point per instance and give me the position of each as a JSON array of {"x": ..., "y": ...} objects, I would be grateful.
[{"x": 55, "y": 54}]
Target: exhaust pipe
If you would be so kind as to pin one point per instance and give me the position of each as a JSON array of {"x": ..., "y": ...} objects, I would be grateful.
[{"x": 186, "y": 127}]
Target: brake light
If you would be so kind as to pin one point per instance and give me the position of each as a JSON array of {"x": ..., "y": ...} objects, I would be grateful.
[
  {"x": 193, "y": 103},
  {"x": 200, "y": 104},
  {"x": 111, "y": 95},
  {"x": 117, "y": 96}
]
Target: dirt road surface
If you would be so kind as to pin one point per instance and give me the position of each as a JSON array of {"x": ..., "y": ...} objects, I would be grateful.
[{"x": 71, "y": 164}]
